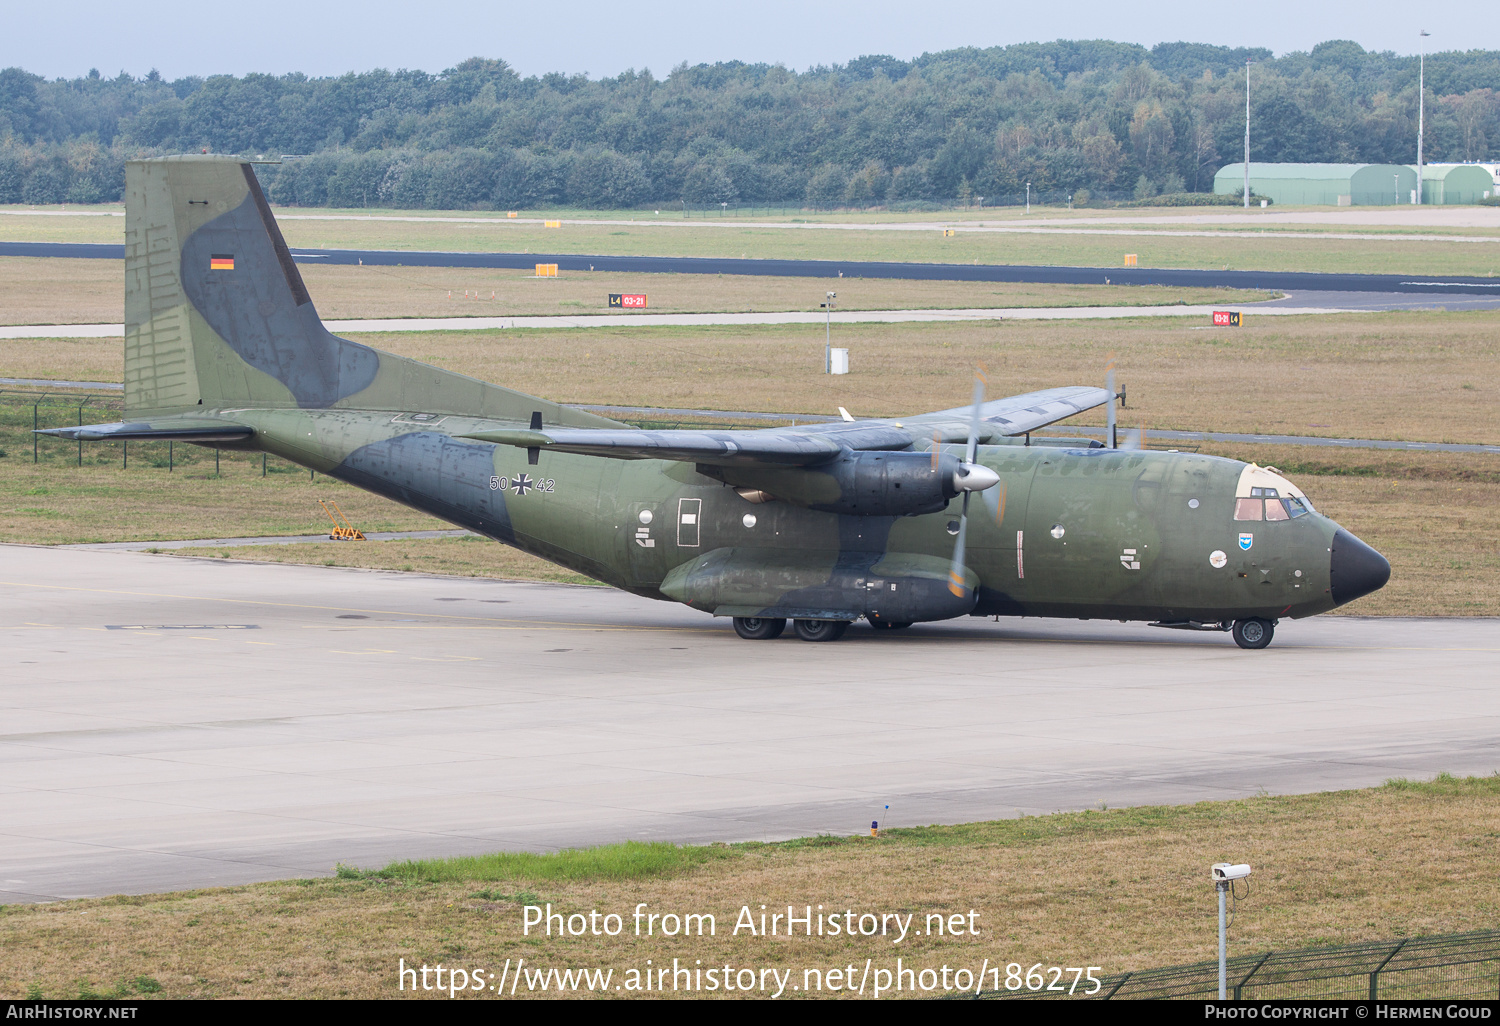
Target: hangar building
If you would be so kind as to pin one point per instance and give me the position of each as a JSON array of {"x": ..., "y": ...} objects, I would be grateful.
[
  {"x": 1322, "y": 184},
  {"x": 1453, "y": 183}
]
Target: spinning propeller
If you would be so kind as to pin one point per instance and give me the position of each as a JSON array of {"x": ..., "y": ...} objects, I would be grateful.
[{"x": 969, "y": 478}]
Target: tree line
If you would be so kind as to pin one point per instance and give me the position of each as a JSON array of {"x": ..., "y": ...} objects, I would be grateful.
[{"x": 969, "y": 125}]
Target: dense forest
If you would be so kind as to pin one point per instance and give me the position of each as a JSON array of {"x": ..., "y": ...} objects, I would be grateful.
[{"x": 1113, "y": 119}]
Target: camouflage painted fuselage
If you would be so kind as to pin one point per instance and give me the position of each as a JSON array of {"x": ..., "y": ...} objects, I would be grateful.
[
  {"x": 1130, "y": 546},
  {"x": 224, "y": 347}
]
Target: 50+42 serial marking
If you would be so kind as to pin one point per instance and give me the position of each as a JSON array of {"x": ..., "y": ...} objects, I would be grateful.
[{"x": 521, "y": 484}]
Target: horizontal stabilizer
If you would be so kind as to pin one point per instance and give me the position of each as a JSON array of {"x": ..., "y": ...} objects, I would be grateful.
[{"x": 167, "y": 429}]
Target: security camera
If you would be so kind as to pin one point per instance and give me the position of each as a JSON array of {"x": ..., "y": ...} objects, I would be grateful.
[{"x": 1224, "y": 872}]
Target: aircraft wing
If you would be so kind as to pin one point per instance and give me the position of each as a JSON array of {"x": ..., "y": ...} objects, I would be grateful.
[
  {"x": 1014, "y": 415},
  {"x": 808, "y": 445},
  {"x": 791, "y": 446}
]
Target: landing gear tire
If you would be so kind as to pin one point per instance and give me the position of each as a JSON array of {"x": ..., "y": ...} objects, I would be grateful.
[
  {"x": 890, "y": 625},
  {"x": 1253, "y": 633},
  {"x": 755, "y": 628},
  {"x": 821, "y": 630}
]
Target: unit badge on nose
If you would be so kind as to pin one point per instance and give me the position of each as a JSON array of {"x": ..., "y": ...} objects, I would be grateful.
[{"x": 1247, "y": 540}]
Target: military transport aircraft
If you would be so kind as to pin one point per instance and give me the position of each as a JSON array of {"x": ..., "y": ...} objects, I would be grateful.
[{"x": 820, "y": 524}]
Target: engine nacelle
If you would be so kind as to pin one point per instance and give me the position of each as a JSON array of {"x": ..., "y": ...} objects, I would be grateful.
[{"x": 867, "y": 484}]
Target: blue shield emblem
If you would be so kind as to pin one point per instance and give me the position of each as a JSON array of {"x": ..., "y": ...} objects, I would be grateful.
[{"x": 1247, "y": 540}]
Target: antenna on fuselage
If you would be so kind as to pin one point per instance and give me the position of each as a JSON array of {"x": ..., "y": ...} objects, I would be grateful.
[{"x": 534, "y": 453}]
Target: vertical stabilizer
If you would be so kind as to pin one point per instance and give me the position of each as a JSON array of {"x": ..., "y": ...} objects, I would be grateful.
[
  {"x": 216, "y": 312},
  {"x": 217, "y": 315}
]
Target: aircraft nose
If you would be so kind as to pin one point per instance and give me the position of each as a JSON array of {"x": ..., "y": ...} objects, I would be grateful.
[{"x": 1355, "y": 569}]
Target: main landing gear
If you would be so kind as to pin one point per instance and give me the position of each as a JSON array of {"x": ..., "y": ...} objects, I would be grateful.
[
  {"x": 1253, "y": 633},
  {"x": 756, "y": 628}
]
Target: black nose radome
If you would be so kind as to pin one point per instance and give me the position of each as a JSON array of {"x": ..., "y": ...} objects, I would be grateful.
[{"x": 1355, "y": 569}]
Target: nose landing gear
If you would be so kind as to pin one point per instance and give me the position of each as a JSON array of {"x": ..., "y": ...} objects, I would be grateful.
[{"x": 1253, "y": 632}]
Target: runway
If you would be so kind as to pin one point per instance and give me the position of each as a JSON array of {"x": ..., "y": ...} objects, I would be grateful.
[
  {"x": 174, "y": 722},
  {"x": 1301, "y": 281}
]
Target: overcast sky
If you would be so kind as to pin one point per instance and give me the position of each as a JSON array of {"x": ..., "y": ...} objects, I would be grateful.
[{"x": 203, "y": 37}]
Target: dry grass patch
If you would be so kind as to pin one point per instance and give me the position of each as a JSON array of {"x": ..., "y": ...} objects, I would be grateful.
[
  {"x": 1412, "y": 375},
  {"x": 1406, "y": 375},
  {"x": 64, "y": 359},
  {"x": 52, "y": 504},
  {"x": 63, "y": 291},
  {"x": 1336, "y": 867}
]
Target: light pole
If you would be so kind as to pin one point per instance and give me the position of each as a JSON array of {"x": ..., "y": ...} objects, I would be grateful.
[
  {"x": 1224, "y": 875},
  {"x": 828, "y": 334},
  {"x": 1247, "y": 134},
  {"x": 1397, "y": 187},
  {"x": 1028, "y": 197},
  {"x": 1421, "y": 109}
]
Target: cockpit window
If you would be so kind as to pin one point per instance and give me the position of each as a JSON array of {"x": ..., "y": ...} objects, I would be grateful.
[{"x": 1263, "y": 494}]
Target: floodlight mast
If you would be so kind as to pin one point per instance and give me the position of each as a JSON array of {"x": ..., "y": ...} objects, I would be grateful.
[
  {"x": 1421, "y": 111},
  {"x": 1247, "y": 134}
]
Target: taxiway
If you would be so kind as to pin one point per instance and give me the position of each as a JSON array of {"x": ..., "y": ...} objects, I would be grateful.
[{"x": 173, "y": 722}]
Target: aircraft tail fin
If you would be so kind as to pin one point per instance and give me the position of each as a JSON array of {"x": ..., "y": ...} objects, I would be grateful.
[{"x": 217, "y": 314}]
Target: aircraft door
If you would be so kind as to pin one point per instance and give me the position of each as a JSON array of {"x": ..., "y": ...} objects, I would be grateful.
[{"x": 689, "y": 516}]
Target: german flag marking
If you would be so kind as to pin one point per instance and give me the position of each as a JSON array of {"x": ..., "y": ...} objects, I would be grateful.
[{"x": 221, "y": 262}]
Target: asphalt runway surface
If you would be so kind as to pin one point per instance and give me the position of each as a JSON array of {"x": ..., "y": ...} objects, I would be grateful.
[
  {"x": 1017, "y": 273},
  {"x": 175, "y": 722}
]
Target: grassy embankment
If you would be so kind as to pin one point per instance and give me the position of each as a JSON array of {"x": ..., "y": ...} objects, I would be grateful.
[{"x": 1399, "y": 860}]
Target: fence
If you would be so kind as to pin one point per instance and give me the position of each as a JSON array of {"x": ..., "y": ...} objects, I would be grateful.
[
  {"x": 1451, "y": 966},
  {"x": 22, "y": 412}
]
